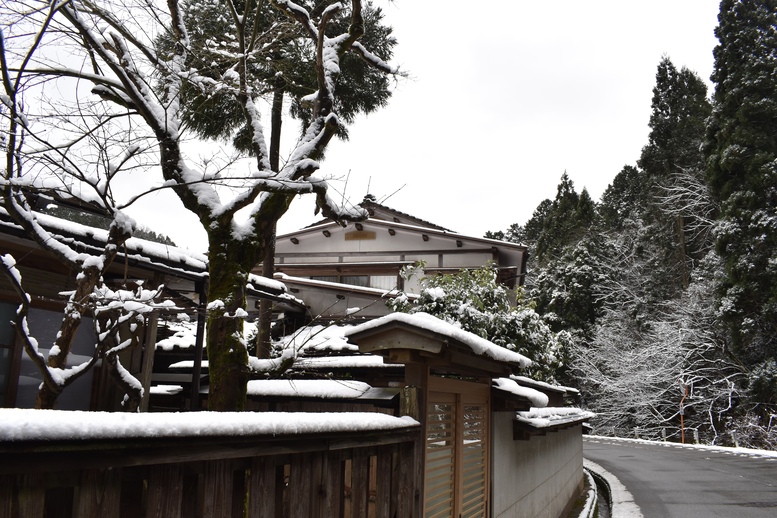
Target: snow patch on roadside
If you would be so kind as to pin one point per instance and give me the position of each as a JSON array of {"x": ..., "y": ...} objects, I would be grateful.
[
  {"x": 749, "y": 452},
  {"x": 623, "y": 505}
]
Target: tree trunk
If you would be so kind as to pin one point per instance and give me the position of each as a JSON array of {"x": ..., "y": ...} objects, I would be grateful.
[
  {"x": 75, "y": 309},
  {"x": 227, "y": 354},
  {"x": 263, "y": 338}
]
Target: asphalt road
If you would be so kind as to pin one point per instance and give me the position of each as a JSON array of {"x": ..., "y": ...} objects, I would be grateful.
[{"x": 670, "y": 481}]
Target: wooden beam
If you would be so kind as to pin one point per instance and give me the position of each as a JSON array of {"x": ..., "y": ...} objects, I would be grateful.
[{"x": 148, "y": 359}]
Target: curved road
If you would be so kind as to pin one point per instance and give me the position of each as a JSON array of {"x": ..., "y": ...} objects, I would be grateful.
[{"x": 671, "y": 481}]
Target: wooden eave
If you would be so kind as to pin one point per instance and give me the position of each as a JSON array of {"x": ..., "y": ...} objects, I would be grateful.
[
  {"x": 483, "y": 243},
  {"x": 504, "y": 401}
]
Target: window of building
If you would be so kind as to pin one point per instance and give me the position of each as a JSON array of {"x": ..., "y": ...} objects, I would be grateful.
[
  {"x": 7, "y": 314},
  {"x": 383, "y": 282}
]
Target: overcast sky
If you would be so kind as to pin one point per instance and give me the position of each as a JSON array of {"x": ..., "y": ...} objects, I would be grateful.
[{"x": 503, "y": 97}]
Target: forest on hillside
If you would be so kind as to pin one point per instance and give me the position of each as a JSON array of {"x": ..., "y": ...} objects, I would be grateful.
[{"x": 668, "y": 284}]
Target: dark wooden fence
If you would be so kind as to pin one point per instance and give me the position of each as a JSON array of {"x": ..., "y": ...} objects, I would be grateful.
[{"x": 369, "y": 474}]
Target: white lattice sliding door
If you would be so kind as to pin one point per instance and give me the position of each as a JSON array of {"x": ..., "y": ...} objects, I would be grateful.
[
  {"x": 474, "y": 460},
  {"x": 457, "y": 450},
  {"x": 440, "y": 457}
]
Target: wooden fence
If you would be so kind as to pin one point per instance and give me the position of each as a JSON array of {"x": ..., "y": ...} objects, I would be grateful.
[{"x": 369, "y": 474}]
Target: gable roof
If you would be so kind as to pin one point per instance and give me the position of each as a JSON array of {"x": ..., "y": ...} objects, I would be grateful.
[
  {"x": 382, "y": 212},
  {"x": 424, "y": 338}
]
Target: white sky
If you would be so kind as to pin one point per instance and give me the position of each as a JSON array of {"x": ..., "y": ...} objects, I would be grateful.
[{"x": 504, "y": 96}]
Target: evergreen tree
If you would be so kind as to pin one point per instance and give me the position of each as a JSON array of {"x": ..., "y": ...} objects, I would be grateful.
[
  {"x": 679, "y": 112},
  {"x": 742, "y": 168},
  {"x": 514, "y": 234},
  {"x": 533, "y": 228},
  {"x": 560, "y": 226},
  {"x": 567, "y": 291},
  {"x": 280, "y": 67},
  {"x": 622, "y": 200}
]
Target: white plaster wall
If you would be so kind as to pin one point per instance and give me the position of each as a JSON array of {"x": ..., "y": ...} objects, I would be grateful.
[{"x": 535, "y": 478}]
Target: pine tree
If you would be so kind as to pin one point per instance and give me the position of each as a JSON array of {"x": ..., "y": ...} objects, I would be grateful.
[
  {"x": 279, "y": 68},
  {"x": 623, "y": 199},
  {"x": 560, "y": 226},
  {"x": 679, "y": 112},
  {"x": 742, "y": 169}
]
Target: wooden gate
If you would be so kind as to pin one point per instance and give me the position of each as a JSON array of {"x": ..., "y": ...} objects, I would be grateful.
[{"x": 457, "y": 449}]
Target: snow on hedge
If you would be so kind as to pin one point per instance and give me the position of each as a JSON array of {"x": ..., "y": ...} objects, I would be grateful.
[{"x": 24, "y": 424}]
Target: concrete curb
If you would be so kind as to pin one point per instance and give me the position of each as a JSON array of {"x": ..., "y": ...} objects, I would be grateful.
[{"x": 622, "y": 503}]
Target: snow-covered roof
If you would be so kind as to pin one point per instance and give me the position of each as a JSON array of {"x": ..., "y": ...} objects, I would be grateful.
[
  {"x": 541, "y": 385},
  {"x": 40, "y": 425},
  {"x": 535, "y": 397},
  {"x": 139, "y": 250},
  {"x": 145, "y": 254},
  {"x": 337, "y": 286},
  {"x": 319, "y": 339},
  {"x": 308, "y": 388},
  {"x": 553, "y": 416},
  {"x": 343, "y": 362},
  {"x": 427, "y": 322},
  {"x": 379, "y": 211}
]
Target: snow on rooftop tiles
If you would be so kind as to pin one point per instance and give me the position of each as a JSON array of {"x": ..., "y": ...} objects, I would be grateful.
[
  {"x": 431, "y": 323},
  {"x": 24, "y": 424},
  {"x": 319, "y": 338}
]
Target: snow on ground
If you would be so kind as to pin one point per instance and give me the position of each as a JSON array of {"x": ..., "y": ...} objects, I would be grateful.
[
  {"x": 747, "y": 452},
  {"x": 591, "y": 497},
  {"x": 24, "y": 424},
  {"x": 623, "y": 505}
]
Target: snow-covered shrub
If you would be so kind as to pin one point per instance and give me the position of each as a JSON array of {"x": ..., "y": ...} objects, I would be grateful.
[{"x": 478, "y": 303}]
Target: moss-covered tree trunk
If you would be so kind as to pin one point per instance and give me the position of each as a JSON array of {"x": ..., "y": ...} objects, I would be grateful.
[{"x": 227, "y": 354}]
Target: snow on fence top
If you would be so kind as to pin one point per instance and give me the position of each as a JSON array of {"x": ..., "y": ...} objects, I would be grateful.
[
  {"x": 35, "y": 425},
  {"x": 433, "y": 324}
]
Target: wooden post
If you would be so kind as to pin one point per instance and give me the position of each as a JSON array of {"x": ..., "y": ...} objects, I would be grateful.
[
  {"x": 217, "y": 489},
  {"x": 165, "y": 491},
  {"x": 360, "y": 478},
  {"x": 99, "y": 493},
  {"x": 198, "y": 345},
  {"x": 148, "y": 359}
]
